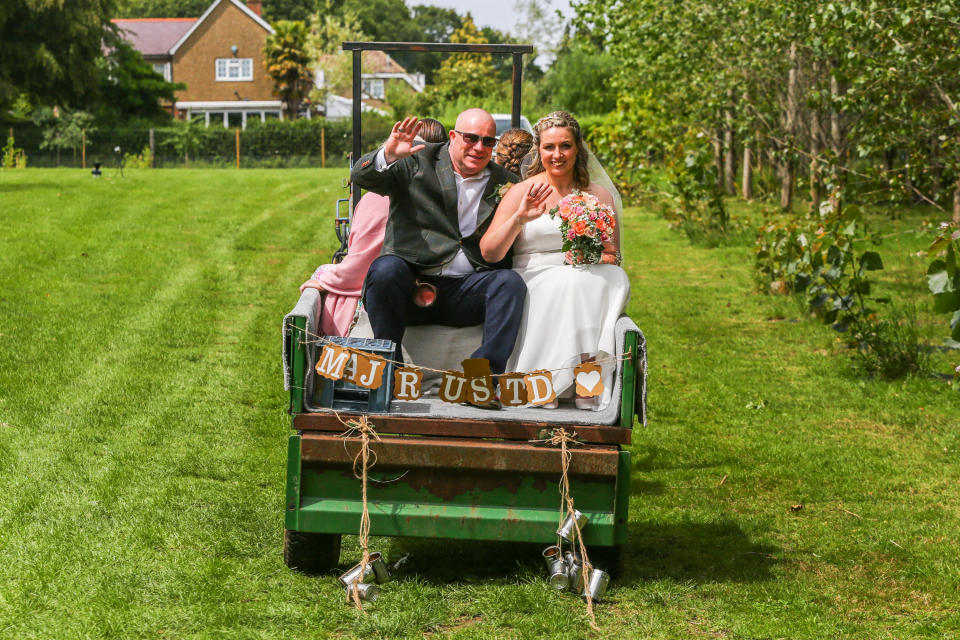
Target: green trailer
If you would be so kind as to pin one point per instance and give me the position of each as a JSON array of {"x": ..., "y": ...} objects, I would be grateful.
[{"x": 451, "y": 471}]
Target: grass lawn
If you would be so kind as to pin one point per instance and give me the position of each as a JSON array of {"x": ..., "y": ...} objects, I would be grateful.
[{"x": 143, "y": 439}]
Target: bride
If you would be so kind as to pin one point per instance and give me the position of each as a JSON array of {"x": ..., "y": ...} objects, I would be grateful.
[{"x": 570, "y": 311}]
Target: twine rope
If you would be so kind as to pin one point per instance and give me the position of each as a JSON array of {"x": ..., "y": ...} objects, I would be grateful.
[
  {"x": 362, "y": 429},
  {"x": 564, "y": 439},
  {"x": 318, "y": 339}
]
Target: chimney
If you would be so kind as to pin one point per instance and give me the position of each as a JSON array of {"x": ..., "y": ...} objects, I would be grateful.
[{"x": 256, "y": 6}]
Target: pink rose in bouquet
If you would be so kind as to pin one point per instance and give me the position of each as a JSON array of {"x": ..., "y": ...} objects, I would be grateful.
[{"x": 585, "y": 224}]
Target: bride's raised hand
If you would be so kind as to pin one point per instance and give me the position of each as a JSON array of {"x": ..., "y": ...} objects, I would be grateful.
[
  {"x": 532, "y": 205},
  {"x": 400, "y": 143}
]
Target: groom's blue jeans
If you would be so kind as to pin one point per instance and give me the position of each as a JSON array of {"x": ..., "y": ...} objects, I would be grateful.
[{"x": 491, "y": 298}]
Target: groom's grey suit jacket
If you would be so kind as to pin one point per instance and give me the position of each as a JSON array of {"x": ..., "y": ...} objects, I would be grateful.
[{"x": 424, "y": 227}]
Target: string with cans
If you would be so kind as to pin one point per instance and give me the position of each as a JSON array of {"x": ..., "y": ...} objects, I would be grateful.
[
  {"x": 357, "y": 581},
  {"x": 572, "y": 569}
]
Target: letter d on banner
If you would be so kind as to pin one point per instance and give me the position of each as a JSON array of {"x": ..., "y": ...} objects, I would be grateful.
[{"x": 540, "y": 387}]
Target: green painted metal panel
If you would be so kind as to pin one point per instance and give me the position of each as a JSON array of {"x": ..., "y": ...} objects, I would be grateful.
[
  {"x": 622, "y": 510},
  {"x": 628, "y": 380},
  {"x": 431, "y": 486},
  {"x": 299, "y": 351},
  {"x": 448, "y": 521},
  {"x": 292, "y": 510}
]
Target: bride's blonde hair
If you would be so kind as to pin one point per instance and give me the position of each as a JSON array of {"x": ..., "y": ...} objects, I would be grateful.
[{"x": 581, "y": 176}]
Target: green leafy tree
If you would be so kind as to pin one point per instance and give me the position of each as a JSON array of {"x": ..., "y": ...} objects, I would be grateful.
[
  {"x": 288, "y": 62},
  {"x": 465, "y": 75},
  {"x": 387, "y": 20},
  {"x": 63, "y": 129},
  {"x": 130, "y": 88},
  {"x": 49, "y": 49},
  {"x": 578, "y": 80},
  {"x": 161, "y": 8},
  {"x": 301, "y": 10},
  {"x": 328, "y": 31},
  {"x": 438, "y": 24}
]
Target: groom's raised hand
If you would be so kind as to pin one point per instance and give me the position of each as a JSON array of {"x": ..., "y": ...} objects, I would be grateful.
[{"x": 400, "y": 143}]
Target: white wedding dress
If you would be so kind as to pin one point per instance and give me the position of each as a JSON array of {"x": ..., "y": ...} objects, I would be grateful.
[{"x": 569, "y": 310}]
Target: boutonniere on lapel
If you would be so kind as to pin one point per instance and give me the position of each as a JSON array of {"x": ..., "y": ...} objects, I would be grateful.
[{"x": 497, "y": 195}]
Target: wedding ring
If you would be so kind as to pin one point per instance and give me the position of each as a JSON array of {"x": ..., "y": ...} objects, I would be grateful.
[{"x": 401, "y": 130}]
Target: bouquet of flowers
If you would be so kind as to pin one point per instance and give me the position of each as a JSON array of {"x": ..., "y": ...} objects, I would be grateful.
[{"x": 585, "y": 224}]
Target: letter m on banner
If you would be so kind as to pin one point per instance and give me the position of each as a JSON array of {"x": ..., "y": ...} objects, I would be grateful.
[{"x": 332, "y": 361}]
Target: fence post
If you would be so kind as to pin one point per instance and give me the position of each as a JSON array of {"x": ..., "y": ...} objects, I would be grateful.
[
  {"x": 83, "y": 149},
  {"x": 323, "y": 147},
  {"x": 153, "y": 151},
  {"x": 238, "y": 146}
]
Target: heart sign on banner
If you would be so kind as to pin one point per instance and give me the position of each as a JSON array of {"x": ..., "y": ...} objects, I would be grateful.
[{"x": 589, "y": 383}]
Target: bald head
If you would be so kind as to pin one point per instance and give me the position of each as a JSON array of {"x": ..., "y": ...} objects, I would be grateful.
[
  {"x": 473, "y": 120},
  {"x": 470, "y": 158}
]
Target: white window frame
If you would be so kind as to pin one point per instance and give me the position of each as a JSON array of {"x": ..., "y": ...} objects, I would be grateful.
[
  {"x": 233, "y": 69},
  {"x": 374, "y": 88}
]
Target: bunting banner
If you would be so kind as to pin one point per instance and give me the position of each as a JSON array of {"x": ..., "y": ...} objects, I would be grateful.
[
  {"x": 407, "y": 383},
  {"x": 589, "y": 382},
  {"x": 475, "y": 384}
]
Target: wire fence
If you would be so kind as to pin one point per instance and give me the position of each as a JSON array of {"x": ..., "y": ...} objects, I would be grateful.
[{"x": 273, "y": 144}]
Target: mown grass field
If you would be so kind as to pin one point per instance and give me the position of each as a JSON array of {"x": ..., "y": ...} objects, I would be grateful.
[{"x": 143, "y": 436}]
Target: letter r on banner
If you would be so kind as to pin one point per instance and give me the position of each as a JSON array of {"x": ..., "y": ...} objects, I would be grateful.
[{"x": 406, "y": 383}]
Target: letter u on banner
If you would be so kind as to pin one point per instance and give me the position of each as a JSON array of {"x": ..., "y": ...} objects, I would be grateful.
[
  {"x": 453, "y": 387},
  {"x": 332, "y": 360}
]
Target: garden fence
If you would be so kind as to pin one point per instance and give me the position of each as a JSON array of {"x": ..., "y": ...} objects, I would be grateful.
[{"x": 300, "y": 143}]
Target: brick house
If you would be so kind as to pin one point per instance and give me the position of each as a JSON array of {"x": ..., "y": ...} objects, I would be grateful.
[
  {"x": 378, "y": 73},
  {"x": 219, "y": 56}
]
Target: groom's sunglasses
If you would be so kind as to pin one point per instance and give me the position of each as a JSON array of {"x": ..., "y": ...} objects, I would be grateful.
[{"x": 472, "y": 139}]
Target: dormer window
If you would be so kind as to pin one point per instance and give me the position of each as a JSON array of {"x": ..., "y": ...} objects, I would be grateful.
[
  {"x": 234, "y": 69},
  {"x": 373, "y": 87}
]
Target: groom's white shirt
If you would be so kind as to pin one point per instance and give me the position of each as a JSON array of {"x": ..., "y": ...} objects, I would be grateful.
[{"x": 469, "y": 194}]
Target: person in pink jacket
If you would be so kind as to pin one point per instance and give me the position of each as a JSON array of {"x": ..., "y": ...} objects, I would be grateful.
[{"x": 341, "y": 284}]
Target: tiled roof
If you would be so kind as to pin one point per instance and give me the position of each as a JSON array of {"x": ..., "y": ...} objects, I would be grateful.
[
  {"x": 372, "y": 62},
  {"x": 153, "y": 36}
]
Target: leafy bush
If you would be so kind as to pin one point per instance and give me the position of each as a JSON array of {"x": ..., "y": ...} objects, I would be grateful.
[
  {"x": 817, "y": 260},
  {"x": 12, "y": 157},
  {"x": 943, "y": 277}
]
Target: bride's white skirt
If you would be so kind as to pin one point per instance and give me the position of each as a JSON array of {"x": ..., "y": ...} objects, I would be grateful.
[{"x": 569, "y": 311}]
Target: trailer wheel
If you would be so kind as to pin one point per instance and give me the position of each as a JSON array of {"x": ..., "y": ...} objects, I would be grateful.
[{"x": 311, "y": 552}]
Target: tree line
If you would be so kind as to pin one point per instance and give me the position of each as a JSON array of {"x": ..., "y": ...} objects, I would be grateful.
[{"x": 844, "y": 100}]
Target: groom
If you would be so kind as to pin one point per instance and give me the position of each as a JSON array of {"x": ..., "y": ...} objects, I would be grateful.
[{"x": 442, "y": 199}]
